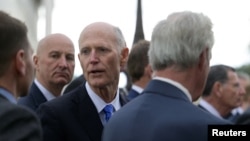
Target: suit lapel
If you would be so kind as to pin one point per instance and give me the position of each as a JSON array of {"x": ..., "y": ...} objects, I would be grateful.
[
  {"x": 88, "y": 115},
  {"x": 2, "y": 98},
  {"x": 200, "y": 106},
  {"x": 37, "y": 95},
  {"x": 123, "y": 99}
]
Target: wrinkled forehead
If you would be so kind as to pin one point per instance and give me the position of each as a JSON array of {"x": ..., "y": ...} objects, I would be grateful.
[
  {"x": 99, "y": 34},
  {"x": 99, "y": 30}
]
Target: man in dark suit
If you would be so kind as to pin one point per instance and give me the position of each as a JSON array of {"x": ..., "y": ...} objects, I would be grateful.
[
  {"x": 54, "y": 63},
  {"x": 179, "y": 54},
  {"x": 16, "y": 74},
  {"x": 244, "y": 118},
  {"x": 81, "y": 114},
  {"x": 138, "y": 68}
]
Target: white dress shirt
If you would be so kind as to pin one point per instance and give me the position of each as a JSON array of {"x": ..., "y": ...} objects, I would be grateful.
[
  {"x": 100, "y": 103},
  {"x": 209, "y": 108},
  {"x": 47, "y": 94}
]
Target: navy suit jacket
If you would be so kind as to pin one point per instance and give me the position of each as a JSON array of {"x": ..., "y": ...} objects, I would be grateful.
[
  {"x": 162, "y": 113},
  {"x": 18, "y": 123},
  {"x": 71, "y": 117},
  {"x": 132, "y": 94},
  {"x": 33, "y": 99}
]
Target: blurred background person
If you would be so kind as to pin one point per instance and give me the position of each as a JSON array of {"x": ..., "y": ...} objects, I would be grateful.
[
  {"x": 16, "y": 74},
  {"x": 222, "y": 92},
  {"x": 179, "y": 54},
  {"x": 244, "y": 79},
  {"x": 138, "y": 68},
  {"x": 244, "y": 118},
  {"x": 54, "y": 64},
  {"x": 244, "y": 110}
]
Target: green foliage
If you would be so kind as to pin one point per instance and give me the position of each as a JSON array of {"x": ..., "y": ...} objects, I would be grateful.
[{"x": 244, "y": 68}]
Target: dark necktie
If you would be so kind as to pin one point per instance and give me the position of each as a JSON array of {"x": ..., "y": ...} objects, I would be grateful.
[{"x": 108, "y": 110}]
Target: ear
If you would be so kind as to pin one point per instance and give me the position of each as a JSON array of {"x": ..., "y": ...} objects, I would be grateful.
[
  {"x": 124, "y": 57},
  {"x": 35, "y": 60},
  {"x": 203, "y": 59},
  {"x": 20, "y": 62},
  {"x": 148, "y": 71},
  {"x": 218, "y": 88}
]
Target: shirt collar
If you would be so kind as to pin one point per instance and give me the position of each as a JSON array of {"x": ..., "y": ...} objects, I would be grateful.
[
  {"x": 10, "y": 97},
  {"x": 47, "y": 94},
  {"x": 178, "y": 85},
  {"x": 137, "y": 88},
  {"x": 209, "y": 107},
  {"x": 99, "y": 102}
]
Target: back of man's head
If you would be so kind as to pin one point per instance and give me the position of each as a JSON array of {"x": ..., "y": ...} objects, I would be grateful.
[
  {"x": 138, "y": 59},
  {"x": 13, "y": 37},
  {"x": 180, "y": 39},
  {"x": 217, "y": 73}
]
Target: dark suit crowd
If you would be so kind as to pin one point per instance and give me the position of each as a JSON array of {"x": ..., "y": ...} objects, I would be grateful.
[{"x": 39, "y": 101}]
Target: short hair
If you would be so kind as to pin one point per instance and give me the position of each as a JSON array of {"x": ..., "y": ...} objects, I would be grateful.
[
  {"x": 179, "y": 40},
  {"x": 138, "y": 59},
  {"x": 120, "y": 38},
  {"x": 13, "y": 37},
  {"x": 217, "y": 73}
]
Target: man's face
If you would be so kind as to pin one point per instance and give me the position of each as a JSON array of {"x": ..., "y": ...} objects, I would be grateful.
[
  {"x": 55, "y": 62},
  {"x": 231, "y": 91},
  {"x": 244, "y": 83},
  {"x": 100, "y": 58}
]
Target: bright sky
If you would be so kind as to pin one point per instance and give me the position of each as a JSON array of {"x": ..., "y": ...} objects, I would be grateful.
[{"x": 231, "y": 19}]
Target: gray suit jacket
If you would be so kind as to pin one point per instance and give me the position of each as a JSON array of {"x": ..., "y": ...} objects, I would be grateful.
[
  {"x": 18, "y": 123},
  {"x": 162, "y": 113}
]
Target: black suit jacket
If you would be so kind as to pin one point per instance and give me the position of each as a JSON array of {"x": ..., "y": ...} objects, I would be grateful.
[
  {"x": 71, "y": 117},
  {"x": 33, "y": 99},
  {"x": 18, "y": 123},
  {"x": 244, "y": 118}
]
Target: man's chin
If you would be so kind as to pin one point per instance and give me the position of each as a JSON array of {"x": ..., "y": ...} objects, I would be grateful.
[
  {"x": 97, "y": 84},
  {"x": 62, "y": 82}
]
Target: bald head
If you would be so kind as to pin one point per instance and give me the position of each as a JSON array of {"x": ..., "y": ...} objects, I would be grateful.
[
  {"x": 103, "y": 29},
  {"x": 54, "y": 39},
  {"x": 55, "y": 62}
]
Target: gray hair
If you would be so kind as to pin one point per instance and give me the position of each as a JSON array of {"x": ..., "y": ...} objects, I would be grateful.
[
  {"x": 179, "y": 40},
  {"x": 120, "y": 38}
]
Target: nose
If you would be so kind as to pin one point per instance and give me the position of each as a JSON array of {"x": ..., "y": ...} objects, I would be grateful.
[
  {"x": 242, "y": 90},
  {"x": 63, "y": 62},
  {"x": 93, "y": 57}
]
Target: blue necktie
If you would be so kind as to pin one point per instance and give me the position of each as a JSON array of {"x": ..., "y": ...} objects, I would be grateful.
[{"x": 108, "y": 110}]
